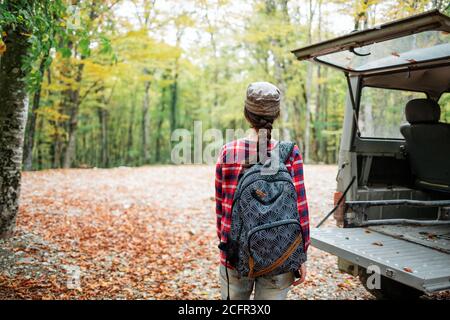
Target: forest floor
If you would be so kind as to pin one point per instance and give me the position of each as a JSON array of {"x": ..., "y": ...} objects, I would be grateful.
[{"x": 139, "y": 233}]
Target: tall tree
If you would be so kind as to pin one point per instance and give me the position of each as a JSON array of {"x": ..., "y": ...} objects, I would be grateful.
[
  {"x": 309, "y": 85},
  {"x": 319, "y": 92},
  {"x": 19, "y": 21},
  {"x": 73, "y": 106},
  {"x": 79, "y": 44},
  {"x": 145, "y": 12},
  {"x": 181, "y": 21},
  {"x": 146, "y": 120},
  {"x": 30, "y": 133},
  {"x": 13, "y": 115}
]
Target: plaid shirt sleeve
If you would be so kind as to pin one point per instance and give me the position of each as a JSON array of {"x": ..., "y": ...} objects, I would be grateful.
[
  {"x": 295, "y": 165},
  {"x": 219, "y": 196}
]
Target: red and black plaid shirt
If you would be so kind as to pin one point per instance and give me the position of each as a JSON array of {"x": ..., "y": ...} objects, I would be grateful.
[{"x": 229, "y": 166}]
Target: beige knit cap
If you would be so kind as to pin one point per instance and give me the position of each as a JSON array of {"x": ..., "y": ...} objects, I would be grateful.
[{"x": 263, "y": 99}]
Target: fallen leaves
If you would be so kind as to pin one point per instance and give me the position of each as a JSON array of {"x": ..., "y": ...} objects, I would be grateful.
[
  {"x": 432, "y": 236},
  {"x": 139, "y": 233},
  {"x": 132, "y": 244},
  {"x": 408, "y": 270},
  {"x": 142, "y": 233}
]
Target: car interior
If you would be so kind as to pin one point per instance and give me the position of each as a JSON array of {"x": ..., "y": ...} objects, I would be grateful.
[
  {"x": 427, "y": 145},
  {"x": 416, "y": 167}
]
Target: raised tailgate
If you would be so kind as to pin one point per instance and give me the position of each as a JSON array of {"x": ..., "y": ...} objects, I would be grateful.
[{"x": 413, "y": 264}]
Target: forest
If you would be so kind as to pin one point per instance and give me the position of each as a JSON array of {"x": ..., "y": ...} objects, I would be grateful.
[
  {"x": 91, "y": 94},
  {"x": 109, "y": 81}
]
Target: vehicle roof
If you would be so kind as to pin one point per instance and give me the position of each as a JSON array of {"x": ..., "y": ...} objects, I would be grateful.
[{"x": 403, "y": 43}]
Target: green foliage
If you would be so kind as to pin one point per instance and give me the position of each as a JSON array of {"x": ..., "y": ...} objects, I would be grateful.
[
  {"x": 40, "y": 20},
  {"x": 196, "y": 65}
]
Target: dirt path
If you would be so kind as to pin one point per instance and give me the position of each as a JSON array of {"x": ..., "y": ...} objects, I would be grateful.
[{"x": 138, "y": 233}]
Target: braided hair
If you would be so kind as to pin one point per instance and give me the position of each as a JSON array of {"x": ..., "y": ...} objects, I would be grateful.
[{"x": 258, "y": 122}]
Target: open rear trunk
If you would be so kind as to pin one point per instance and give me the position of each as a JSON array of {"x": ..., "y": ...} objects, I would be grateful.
[{"x": 413, "y": 42}]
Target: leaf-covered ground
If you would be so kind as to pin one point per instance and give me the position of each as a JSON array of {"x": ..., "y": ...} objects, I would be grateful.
[{"x": 138, "y": 233}]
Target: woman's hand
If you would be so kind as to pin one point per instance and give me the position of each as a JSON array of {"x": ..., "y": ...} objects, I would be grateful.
[{"x": 302, "y": 271}]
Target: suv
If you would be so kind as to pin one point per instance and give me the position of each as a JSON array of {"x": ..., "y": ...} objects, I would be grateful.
[{"x": 393, "y": 184}]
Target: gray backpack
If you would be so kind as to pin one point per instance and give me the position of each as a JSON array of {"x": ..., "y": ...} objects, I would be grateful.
[{"x": 265, "y": 237}]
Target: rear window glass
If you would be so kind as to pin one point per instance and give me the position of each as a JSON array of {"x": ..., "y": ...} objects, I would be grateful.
[
  {"x": 444, "y": 102},
  {"x": 382, "y": 112},
  {"x": 422, "y": 46}
]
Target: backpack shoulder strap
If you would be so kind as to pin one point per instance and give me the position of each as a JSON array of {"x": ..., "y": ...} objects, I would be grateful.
[{"x": 286, "y": 148}]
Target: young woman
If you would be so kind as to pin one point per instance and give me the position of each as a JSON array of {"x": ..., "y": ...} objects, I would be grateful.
[{"x": 262, "y": 108}]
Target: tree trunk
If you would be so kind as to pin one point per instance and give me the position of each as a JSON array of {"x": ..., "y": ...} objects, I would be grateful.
[
  {"x": 13, "y": 116},
  {"x": 215, "y": 73},
  {"x": 173, "y": 103},
  {"x": 284, "y": 112},
  {"x": 280, "y": 65},
  {"x": 130, "y": 133},
  {"x": 309, "y": 75},
  {"x": 361, "y": 18},
  {"x": 29, "y": 138},
  {"x": 70, "y": 148},
  {"x": 74, "y": 106},
  {"x": 367, "y": 126},
  {"x": 173, "y": 107},
  {"x": 103, "y": 116},
  {"x": 318, "y": 123},
  {"x": 159, "y": 126},
  {"x": 323, "y": 117},
  {"x": 146, "y": 123},
  {"x": 285, "y": 119},
  {"x": 317, "y": 118},
  {"x": 56, "y": 148},
  {"x": 103, "y": 119},
  {"x": 39, "y": 143}
]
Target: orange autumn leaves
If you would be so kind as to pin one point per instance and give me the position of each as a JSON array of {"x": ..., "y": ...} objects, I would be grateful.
[{"x": 2, "y": 47}]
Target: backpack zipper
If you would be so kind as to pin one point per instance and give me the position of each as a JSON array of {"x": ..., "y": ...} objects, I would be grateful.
[
  {"x": 243, "y": 189},
  {"x": 249, "y": 174}
]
